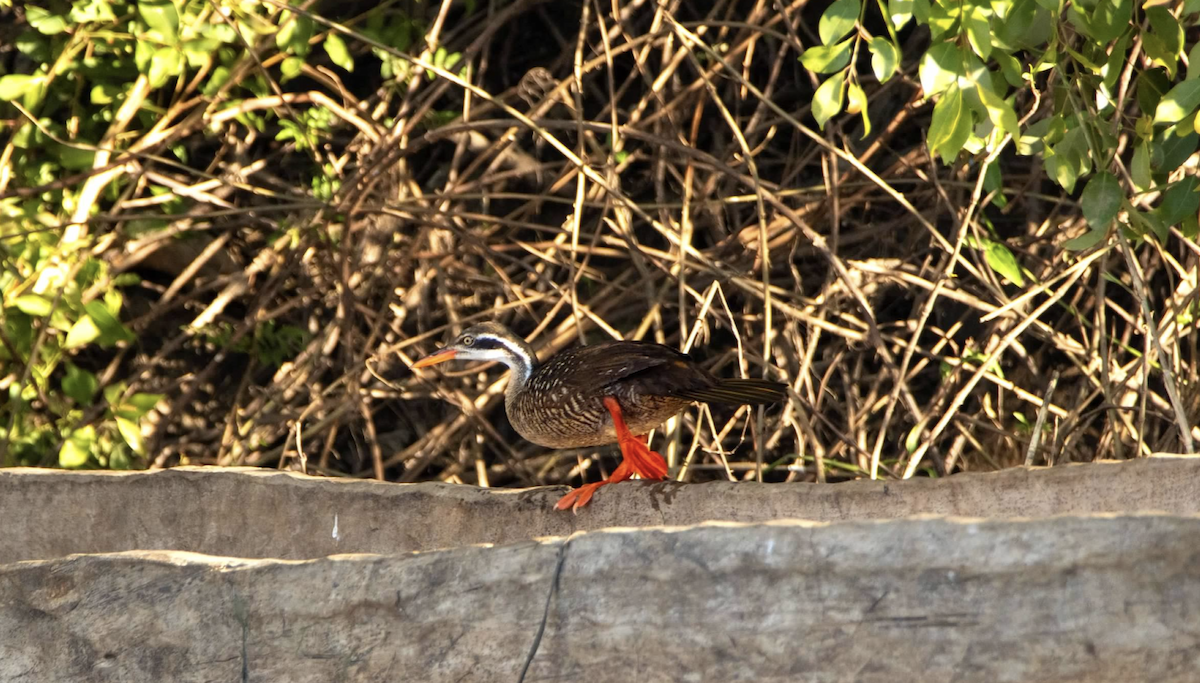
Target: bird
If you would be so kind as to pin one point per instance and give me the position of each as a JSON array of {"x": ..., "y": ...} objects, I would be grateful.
[{"x": 597, "y": 394}]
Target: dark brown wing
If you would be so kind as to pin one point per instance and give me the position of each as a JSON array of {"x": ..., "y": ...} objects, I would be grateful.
[
  {"x": 641, "y": 367},
  {"x": 656, "y": 370}
]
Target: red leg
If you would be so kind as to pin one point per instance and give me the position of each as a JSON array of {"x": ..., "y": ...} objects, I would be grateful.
[
  {"x": 645, "y": 463},
  {"x": 637, "y": 458}
]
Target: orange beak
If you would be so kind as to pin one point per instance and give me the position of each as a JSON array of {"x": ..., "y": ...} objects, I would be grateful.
[{"x": 435, "y": 358}]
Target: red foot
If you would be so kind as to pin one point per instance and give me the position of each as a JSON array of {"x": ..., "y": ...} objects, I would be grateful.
[
  {"x": 581, "y": 496},
  {"x": 637, "y": 458}
]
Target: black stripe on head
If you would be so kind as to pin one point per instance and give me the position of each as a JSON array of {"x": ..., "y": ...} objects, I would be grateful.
[{"x": 488, "y": 343}]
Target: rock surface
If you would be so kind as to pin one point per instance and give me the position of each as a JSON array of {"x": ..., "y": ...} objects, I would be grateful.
[
  {"x": 258, "y": 513},
  {"x": 1042, "y": 575},
  {"x": 1095, "y": 599}
]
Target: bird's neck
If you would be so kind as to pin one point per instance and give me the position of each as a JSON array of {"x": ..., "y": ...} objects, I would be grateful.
[{"x": 522, "y": 360}]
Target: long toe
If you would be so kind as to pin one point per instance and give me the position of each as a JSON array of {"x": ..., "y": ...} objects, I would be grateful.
[
  {"x": 645, "y": 462},
  {"x": 579, "y": 497}
]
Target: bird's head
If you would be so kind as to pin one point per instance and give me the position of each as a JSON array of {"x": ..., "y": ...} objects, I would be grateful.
[{"x": 487, "y": 342}]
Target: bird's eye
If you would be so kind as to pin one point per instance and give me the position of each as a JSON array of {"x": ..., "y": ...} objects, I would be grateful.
[{"x": 467, "y": 341}]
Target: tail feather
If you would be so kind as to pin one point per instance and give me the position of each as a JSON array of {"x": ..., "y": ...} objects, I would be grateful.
[{"x": 739, "y": 392}]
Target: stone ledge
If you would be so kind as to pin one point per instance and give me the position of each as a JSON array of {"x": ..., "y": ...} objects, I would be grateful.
[
  {"x": 247, "y": 512},
  {"x": 1098, "y": 599}
]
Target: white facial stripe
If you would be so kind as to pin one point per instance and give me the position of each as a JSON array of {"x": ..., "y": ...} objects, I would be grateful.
[
  {"x": 521, "y": 362},
  {"x": 503, "y": 343}
]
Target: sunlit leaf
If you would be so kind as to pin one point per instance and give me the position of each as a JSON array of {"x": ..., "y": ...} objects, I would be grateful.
[
  {"x": 46, "y": 22},
  {"x": 83, "y": 332},
  {"x": 291, "y": 68},
  {"x": 900, "y": 12},
  {"x": 132, "y": 433},
  {"x": 885, "y": 57},
  {"x": 999, "y": 111},
  {"x": 838, "y": 20},
  {"x": 979, "y": 32},
  {"x": 110, "y": 328},
  {"x": 77, "y": 448},
  {"x": 950, "y": 126},
  {"x": 33, "y": 304},
  {"x": 14, "y": 86},
  {"x": 824, "y": 59},
  {"x": 940, "y": 68},
  {"x": 858, "y": 105},
  {"x": 166, "y": 64},
  {"x": 1000, "y": 259},
  {"x": 161, "y": 17},
  {"x": 338, "y": 52},
  {"x": 1178, "y": 102},
  {"x": 827, "y": 101}
]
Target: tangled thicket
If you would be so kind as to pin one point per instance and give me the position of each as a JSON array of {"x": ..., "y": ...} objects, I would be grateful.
[{"x": 578, "y": 174}]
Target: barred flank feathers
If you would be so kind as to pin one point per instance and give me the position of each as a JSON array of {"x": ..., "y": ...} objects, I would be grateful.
[{"x": 739, "y": 391}]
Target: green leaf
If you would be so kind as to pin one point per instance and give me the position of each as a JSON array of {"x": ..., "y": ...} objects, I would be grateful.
[
  {"x": 1164, "y": 42},
  {"x": 1177, "y": 146},
  {"x": 144, "y": 403},
  {"x": 1140, "y": 168},
  {"x": 1180, "y": 201},
  {"x": 166, "y": 64},
  {"x": 1026, "y": 25},
  {"x": 1000, "y": 259},
  {"x": 941, "y": 67},
  {"x": 950, "y": 127},
  {"x": 1101, "y": 200},
  {"x": 838, "y": 20},
  {"x": 111, "y": 329},
  {"x": 1061, "y": 169},
  {"x": 827, "y": 101},
  {"x": 1152, "y": 84},
  {"x": 1010, "y": 68},
  {"x": 1110, "y": 19},
  {"x": 338, "y": 53},
  {"x": 161, "y": 17},
  {"x": 95, "y": 10},
  {"x": 1149, "y": 222},
  {"x": 44, "y": 21},
  {"x": 104, "y": 93},
  {"x": 858, "y": 104},
  {"x": 900, "y": 11},
  {"x": 77, "y": 448},
  {"x": 999, "y": 111},
  {"x": 979, "y": 32},
  {"x": 113, "y": 393},
  {"x": 291, "y": 68},
  {"x": 83, "y": 332},
  {"x": 295, "y": 34},
  {"x": 14, "y": 86},
  {"x": 1087, "y": 240},
  {"x": 132, "y": 433},
  {"x": 943, "y": 21},
  {"x": 914, "y": 438},
  {"x": 885, "y": 57},
  {"x": 921, "y": 10},
  {"x": 33, "y": 304},
  {"x": 80, "y": 384},
  {"x": 826, "y": 59},
  {"x": 1178, "y": 102}
]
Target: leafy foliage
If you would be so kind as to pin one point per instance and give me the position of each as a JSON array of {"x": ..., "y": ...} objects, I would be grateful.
[
  {"x": 220, "y": 218},
  {"x": 1048, "y": 79}
]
